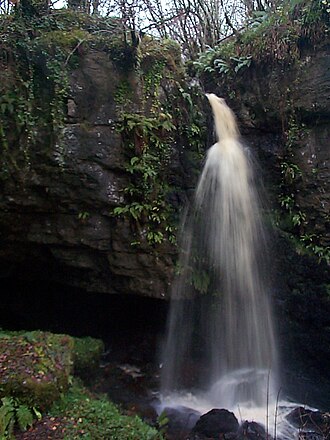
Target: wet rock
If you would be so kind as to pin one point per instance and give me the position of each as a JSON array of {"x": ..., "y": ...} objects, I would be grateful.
[
  {"x": 309, "y": 420},
  {"x": 59, "y": 220},
  {"x": 252, "y": 431},
  {"x": 181, "y": 420},
  {"x": 58, "y": 224},
  {"x": 311, "y": 436},
  {"x": 215, "y": 423}
]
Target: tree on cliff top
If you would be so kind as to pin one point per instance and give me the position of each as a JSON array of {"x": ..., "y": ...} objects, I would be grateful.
[{"x": 195, "y": 24}]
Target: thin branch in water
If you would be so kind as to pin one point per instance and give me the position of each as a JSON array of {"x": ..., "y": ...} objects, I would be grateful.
[
  {"x": 276, "y": 414},
  {"x": 267, "y": 406}
]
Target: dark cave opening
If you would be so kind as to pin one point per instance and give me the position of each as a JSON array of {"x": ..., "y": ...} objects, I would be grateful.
[{"x": 49, "y": 306}]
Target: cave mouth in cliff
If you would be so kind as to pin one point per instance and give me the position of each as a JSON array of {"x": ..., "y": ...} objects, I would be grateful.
[{"x": 49, "y": 306}]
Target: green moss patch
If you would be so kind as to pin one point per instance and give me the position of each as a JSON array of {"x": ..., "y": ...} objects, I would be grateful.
[
  {"x": 35, "y": 367},
  {"x": 86, "y": 356},
  {"x": 85, "y": 416}
]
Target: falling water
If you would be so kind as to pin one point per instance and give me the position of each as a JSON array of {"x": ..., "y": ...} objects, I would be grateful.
[{"x": 220, "y": 314}]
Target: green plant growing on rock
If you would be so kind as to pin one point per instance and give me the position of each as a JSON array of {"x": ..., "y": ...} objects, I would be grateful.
[
  {"x": 190, "y": 135},
  {"x": 83, "y": 216},
  {"x": 292, "y": 218},
  {"x": 291, "y": 174},
  {"x": 268, "y": 38},
  {"x": 86, "y": 356},
  {"x": 168, "y": 114},
  {"x": 29, "y": 107},
  {"x": 98, "y": 418},
  {"x": 290, "y": 171},
  {"x": 311, "y": 243},
  {"x": 231, "y": 66},
  {"x": 35, "y": 367},
  {"x": 148, "y": 136},
  {"x": 37, "y": 53},
  {"x": 12, "y": 413},
  {"x": 148, "y": 140}
]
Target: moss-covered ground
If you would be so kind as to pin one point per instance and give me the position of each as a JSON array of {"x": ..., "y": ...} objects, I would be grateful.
[{"x": 40, "y": 394}]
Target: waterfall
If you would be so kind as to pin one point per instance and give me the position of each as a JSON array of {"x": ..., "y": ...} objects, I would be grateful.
[{"x": 220, "y": 315}]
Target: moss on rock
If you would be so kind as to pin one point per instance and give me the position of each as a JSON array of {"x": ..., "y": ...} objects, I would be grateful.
[
  {"x": 35, "y": 366},
  {"x": 86, "y": 355},
  {"x": 96, "y": 418}
]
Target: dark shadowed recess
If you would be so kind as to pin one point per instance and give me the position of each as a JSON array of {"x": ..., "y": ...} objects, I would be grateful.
[{"x": 50, "y": 306}]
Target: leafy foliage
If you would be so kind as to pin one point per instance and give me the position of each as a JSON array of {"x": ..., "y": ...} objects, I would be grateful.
[
  {"x": 87, "y": 352},
  {"x": 292, "y": 218},
  {"x": 36, "y": 54},
  {"x": 98, "y": 419},
  {"x": 149, "y": 137},
  {"x": 148, "y": 140},
  {"x": 13, "y": 412},
  {"x": 268, "y": 37}
]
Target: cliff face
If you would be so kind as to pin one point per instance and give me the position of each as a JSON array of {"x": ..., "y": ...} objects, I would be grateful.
[
  {"x": 58, "y": 219},
  {"x": 288, "y": 108},
  {"x": 95, "y": 205}
]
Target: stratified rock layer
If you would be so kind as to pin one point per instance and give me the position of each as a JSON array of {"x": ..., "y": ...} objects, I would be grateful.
[{"x": 57, "y": 221}]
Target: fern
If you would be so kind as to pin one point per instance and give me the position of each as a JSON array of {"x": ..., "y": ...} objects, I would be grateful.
[
  {"x": 24, "y": 417},
  {"x": 13, "y": 411},
  {"x": 7, "y": 414}
]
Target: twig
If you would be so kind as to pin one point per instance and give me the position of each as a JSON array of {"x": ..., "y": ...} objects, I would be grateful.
[
  {"x": 267, "y": 406},
  {"x": 276, "y": 413},
  {"x": 228, "y": 21},
  {"x": 82, "y": 41},
  {"x": 73, "y": 51}
]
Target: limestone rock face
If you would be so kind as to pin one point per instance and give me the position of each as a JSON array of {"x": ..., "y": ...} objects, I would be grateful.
[{"x": 57, "y": 221}]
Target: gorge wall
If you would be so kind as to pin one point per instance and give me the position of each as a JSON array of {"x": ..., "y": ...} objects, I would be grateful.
[
  {"x": 94, "y": 204},
  {"x": 58, "y": 218}
]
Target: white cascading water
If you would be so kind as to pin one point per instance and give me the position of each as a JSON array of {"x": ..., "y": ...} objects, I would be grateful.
[{"x": 220, "y": 315}]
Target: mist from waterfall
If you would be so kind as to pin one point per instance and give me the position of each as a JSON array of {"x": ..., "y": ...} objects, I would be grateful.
[{"x": 220, "y": 315}]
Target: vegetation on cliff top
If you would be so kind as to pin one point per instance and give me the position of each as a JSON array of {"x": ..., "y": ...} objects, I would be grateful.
[{"x": 270, "y": 37}]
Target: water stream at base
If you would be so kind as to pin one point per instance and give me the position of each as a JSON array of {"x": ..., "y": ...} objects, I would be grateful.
[{"x": 220, "y": 315}]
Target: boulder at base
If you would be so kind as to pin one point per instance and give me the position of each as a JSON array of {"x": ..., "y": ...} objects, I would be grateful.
[
  {"x": 214, "y": 423},
  {"x": 252, "y": 431},
  {"x": 35, "y": 366},
  {"x": 310, "y": 420}
]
